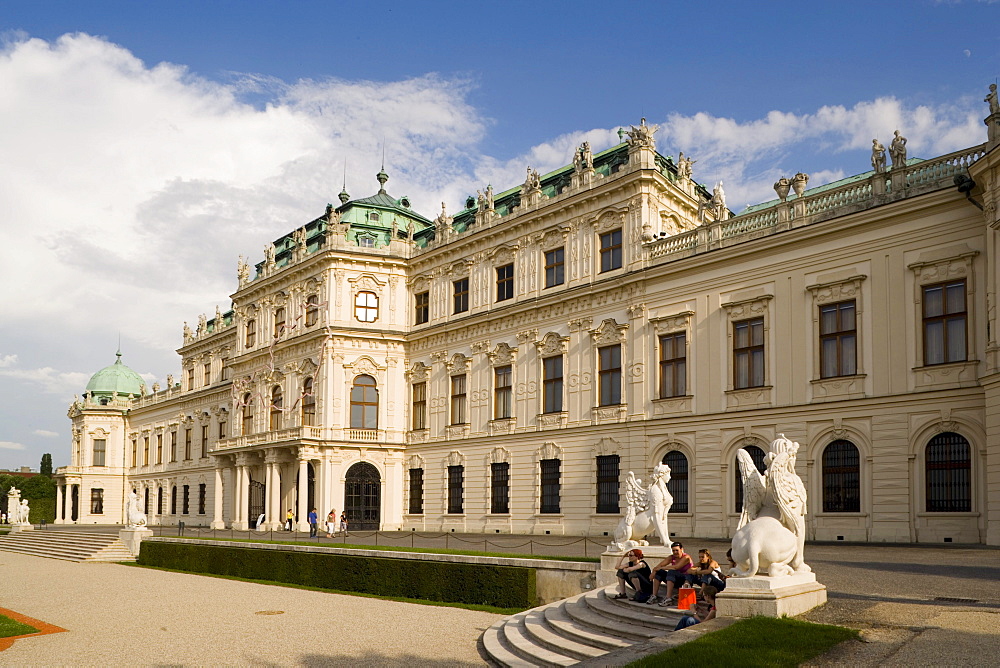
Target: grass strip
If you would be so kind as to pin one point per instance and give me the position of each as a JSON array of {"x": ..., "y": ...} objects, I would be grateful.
[
  {"x": 757, "y": 641},
  {"x": 392, "y": 548},
  {"x": 9, "y": 628},
  {"x": 440, "y": 604}
]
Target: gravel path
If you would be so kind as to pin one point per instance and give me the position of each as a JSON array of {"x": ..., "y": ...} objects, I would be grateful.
[{"x": 122, "y": 615}]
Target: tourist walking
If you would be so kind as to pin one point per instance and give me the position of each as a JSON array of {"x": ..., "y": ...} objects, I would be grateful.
[
  {"x": 289, "y": 520},
  {"x": 331, "y": 523},
  {"x": 313, "y": 521},
  {"x": 343, "y": 523}
]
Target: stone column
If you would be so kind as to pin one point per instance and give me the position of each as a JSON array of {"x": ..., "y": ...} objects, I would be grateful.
[
  {"x": 59, "y": 497},
  {"x": 217, "y": 520},
  {"x": 268, "y": 481},
  {"x": 278, "y": 517},
  {"x": 303, "y": 509}
]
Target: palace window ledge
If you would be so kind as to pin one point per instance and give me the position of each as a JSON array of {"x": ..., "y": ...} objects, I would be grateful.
[
  {"x": 457, "y": 430},
  {"x": 835, "y": 515},
  {"x": 615, "y": 515},
  {"x": 673, "y": 405},
  {"x": 952, "y": 374},
  {"x": 502, "y": 425},
  {"x": 453, "y": 516},
  {"x": 608, "y": 414},
  {"x": 552, "y": 420},
  {"x": 680, "y": 515},
  {"x": 949, "y": 514},
  {"x": 549, "y": 516},
  {"x": 417, "y": 436},
  {"x": 839, "y": 387},
  {"x": 415, "y": 516},
  {"x": 498, "y": 516},
  {"x": 748, "y": 397}
]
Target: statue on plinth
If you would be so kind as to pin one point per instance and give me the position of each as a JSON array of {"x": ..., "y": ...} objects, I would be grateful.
[
  {"x": 991, "y": 100},
  {"x": 684, "y": 170},
  {"x": 878, "y": 156},
  {"x": 134, "y": 516},
  {"x": 770, "y": 537},
  {"x": 647, "y": 510},
  {"x": 897, "y": 151},
  {"x": 642, "y": 134},
  {"x": 23, "y": 512}
]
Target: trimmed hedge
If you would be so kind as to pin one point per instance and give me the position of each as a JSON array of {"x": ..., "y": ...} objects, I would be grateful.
[{"x": 480, "y": 584}]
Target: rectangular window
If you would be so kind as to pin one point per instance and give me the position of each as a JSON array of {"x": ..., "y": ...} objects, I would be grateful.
[
  {"x": 145, "y": 451},
  {"x": 312, "y": 310},
  {"x": 251, "y": 333},
  {"x": 505, "y": 282},
  {"x": 186, "y": 507},
  {"x": 173, "y": 500},
  {"x": 420, "y": 406},
  {"x": 159, "y": 501},
  {"x": 673, "y": 365},
  {"x": 550, "y": 486},
  {"x": 187, "y": 444},
  {"x": 458, "y": 399},
  {"x": 555, "y": 267},
  {"x": 748, "y": 353},
  {"x": 610, "y": 358},
  {"x": 461, "y": 287},
  {"x": 222, "y": 430},
  {"x": 204, "y": 441},
  {"x": 159, "y": 448},
  {"x": 944, "y": 323},
  {"x": 552, "y": 383},
  {"x": 201, "y": 498},
  {"x": 191, "y": 378},
  {"x": 611, "y": 250},
  {"x": 416, "y": 491},
  {"x": 96, "y": 501},
  {"x": 607, "y": 484},
  {"x": 224, "y": 374},
  {"x": 500, "y": 488},
  {"x": 173, "y": 446},
  {"x": 838, "y": 340},
  {"x": 456, "y": 480},
  {"x": 135, "y": 451},
  {"x": 100, "y": 451},
  {"x": 422, "y": 305},
  {"x": 279, "y": 321},
  {"x": 208, "y": 374},
  {"x": 503, "y": 392}
]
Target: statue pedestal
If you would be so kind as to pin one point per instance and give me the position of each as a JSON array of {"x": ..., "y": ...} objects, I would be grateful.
[
  {"x": 608, "y": 574},
  {"x": 771, "y": 597},
  {"x": 132, "y": 537},
  {"x": 14, "y": 528}
]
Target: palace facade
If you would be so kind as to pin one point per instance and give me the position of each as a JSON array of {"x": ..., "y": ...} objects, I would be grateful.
[{"x": 503, "y": 369}]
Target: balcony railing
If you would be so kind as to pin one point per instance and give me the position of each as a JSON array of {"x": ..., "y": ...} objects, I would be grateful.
[{"x": 367, "y": 435}]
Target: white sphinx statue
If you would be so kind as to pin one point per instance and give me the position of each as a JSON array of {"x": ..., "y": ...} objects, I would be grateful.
[
  {"x": 134, "y": 515},
  {"x": 647, "y": 510},
  {"x": 771, "y": 534},
  {"x": 17, "y": 508}
]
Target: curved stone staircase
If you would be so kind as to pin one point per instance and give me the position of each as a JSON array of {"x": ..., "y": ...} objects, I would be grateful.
[
  {"x": 68, "y": 545},
  {"x": 583, "y": 627}
]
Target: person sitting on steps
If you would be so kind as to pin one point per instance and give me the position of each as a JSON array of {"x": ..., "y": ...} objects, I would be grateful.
[
  {"x": 702, "y": 611},
  {"x": 633, "y": 571},
  {"x": 673, "y": 571},
  {"x": 708, "y": 571}
]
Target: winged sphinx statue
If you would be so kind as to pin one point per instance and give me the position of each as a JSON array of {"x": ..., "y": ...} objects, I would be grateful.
[
  {"x": 646, "y": 512},
  {"x": 770, "y": 537}
]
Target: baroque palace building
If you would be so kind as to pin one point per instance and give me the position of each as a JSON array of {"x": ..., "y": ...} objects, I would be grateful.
[{"x": 503, "y": 369}]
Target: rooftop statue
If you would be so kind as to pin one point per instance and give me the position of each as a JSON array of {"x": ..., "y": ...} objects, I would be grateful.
[
  {"x": 991, "y": 100},
  {"x": 782, "y": 186},
  {"x": 719, "y": 202},
  {"x": 642, "y": 134},
  {"x": 583, "y": 159},
  {"x": 897, "y": 150},
  {"x": 188, "y": 334},
  {"x": 770, "y": 537},
  {"x": 533, "y": 182},
  {"x": 647, "y": 510},
  {"x": 243, "y": 270},
  {"x": 878, "y": 156},
  {"x": 684, "y": 166}
]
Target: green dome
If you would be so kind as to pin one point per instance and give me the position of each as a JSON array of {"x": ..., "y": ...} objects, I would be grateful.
[{"x": 115, "y": 378}]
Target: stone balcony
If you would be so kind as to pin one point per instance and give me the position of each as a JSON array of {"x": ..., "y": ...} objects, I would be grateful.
[{"x": 300, "y": 434}]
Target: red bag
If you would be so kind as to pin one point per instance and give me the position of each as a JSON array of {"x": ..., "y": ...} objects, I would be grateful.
[{"x": 685, "y": 598}]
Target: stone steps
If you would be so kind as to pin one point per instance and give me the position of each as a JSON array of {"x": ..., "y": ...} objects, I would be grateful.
[
  {"x": 67, "y": 545},
  {"x": 580, "y": 628}
]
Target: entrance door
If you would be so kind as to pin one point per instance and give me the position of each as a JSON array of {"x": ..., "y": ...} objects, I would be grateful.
[
  {"x": 363, "y": 497},
  {"x": 75, "y": 506},
  {"x": 255, "y": 504}
]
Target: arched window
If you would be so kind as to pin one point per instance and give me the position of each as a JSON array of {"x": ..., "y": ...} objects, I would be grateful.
[
  {"x": 308, "y": 403},
  {"x": 758, "y": 460},
  {"x": 312, "y": 310},
  {"x": 364, "y": 403},
  {"x": 948, "y": 469},
  {"x": 247, "y": 414},
  {"x": 678, "y": 485},
  {"x": 841, "y": 478},
  {"x": 366, "y": 306},
  {"x": 275, "y": 420}
]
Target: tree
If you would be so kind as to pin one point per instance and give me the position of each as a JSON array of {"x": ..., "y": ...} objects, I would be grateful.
[{"x": 46, "y": 466}]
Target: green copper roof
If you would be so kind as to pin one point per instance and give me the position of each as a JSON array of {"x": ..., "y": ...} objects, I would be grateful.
[{"x": 115, "y": 378}]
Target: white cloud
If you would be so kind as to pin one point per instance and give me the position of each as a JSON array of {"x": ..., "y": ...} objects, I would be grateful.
[
  {"x": 11, "y": 445},
  {"x": 7, "y": 360},
  {"x": 45, "y": 433},
  {"x": 50, "y": 380}
]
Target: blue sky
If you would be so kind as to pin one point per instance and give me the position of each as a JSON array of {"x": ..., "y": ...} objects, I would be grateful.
[{"x": 146, "y": 145}]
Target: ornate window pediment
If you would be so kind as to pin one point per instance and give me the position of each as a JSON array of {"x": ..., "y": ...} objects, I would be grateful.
[
  {"x": 610, "y": 220},
  {"x": 552, "y": 344},
  {"x": 503, "y": 255},
  {"x": 609, "y": 332},
  {"x": 668, "y": 324},
  {"x": 459, "y": 363},
  {"x": 549, "y": 450},
  {"x": 503, "y": 354},
  {"x": 836, "y": 290},
  {"x": 607, "y": 446},
  {"x": 455, "y": 458},
  {"x": 498, "y": 456},
  {"x": 418, "y": 373},
  {"x": 364, "y": 365}
]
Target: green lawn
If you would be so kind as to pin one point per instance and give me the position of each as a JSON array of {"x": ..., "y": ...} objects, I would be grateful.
[
  {"x": 758, "y": 641},
  {"x": 8, "y": 628}
]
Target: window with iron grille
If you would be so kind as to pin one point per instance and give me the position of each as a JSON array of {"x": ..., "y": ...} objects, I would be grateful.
[
  {"x": 748, "y": 353},
  {"x": 500, "y": 488},
  {"x": 555, "y": 267},
  {"x": 503, "y": 392},
  {"x": 100, "y": 451},
  {"x": 422, "y": 306},
  {"x": 552, "y": 384},
  {"x": 458, "y": 399},
  {"x": 948, "y": 469},
  {"x": 611, "y": 250},
  {"x": 96, "y": 501},
  {"x": 201, "y": 498},
  {"x": 841, "y": 478},
  {"x": 461, "y": 287},
  {"x": 550, "y": 486},
  {"x": 838, "y": 340},
  {"x": 607, "y": 483},
  {"x": 673, "y": 365},
  {"x": 678, "y": 485},
  {"x": 505, "y": 282},
  {"x": 251, "y": 334},
  {"x": 758, "y": 460},
  {"x": 416, "y": 491},
  {"x": 944, "y": 323},
  {"x": 173, "y": 500},
  {"x": 610, "y": 359},
  {"x": 456, "y": 481},
  {"x": 159, "y": 501},
  {"x": 419, "y": 405},
  {"x": 187, "y": 500}
]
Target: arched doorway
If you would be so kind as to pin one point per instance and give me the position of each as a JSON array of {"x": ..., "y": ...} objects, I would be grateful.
[
  {"x": 363, "y": 497},
  {"x": 255, "y": 501}
]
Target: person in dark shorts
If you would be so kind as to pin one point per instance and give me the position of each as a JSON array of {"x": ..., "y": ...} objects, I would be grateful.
[
  {"x": 673, "y": 571},
  {"x": 633, "y": 571}
]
